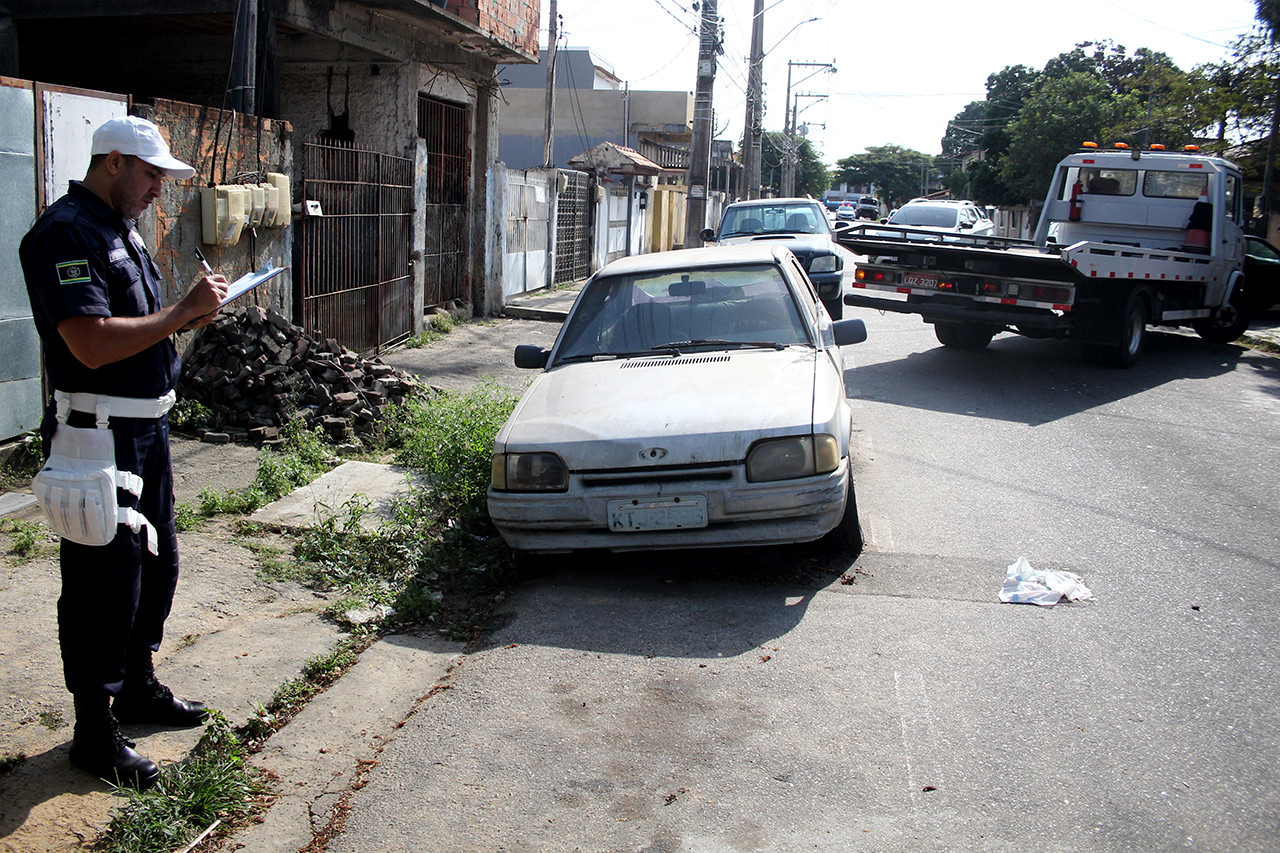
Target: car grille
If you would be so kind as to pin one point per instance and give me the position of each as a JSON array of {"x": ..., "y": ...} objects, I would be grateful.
[{"x": 614, "y": 477}]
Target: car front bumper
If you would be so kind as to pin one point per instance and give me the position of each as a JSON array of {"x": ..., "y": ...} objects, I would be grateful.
[{"x": 738, "y": 514}]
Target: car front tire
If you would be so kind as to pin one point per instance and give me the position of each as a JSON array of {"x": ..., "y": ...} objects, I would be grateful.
[{"x": 846, "y": 537}]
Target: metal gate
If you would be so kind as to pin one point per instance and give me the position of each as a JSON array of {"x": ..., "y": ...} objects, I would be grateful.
[
  {"x": 446, "y": 128},
  {"x": 355, "y": 283},
  {"x": 619, "y": 210},
  {"x": 524, "y": 265},
  {"x": 573, "y": 229}
]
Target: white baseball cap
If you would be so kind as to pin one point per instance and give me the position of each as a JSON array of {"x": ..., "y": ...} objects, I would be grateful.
[{"x": 142, "y": 139}]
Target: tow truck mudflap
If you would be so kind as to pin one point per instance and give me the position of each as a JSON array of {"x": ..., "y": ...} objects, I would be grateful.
[{"x": 933, "y": 312}]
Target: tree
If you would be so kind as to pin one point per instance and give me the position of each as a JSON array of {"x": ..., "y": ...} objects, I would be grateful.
[
  {"x": 1059, "y": 115},
  {"x": 898, "y": 173}
]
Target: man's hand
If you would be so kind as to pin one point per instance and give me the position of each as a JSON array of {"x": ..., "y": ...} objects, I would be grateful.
[
  {"x": 205, "y": 296},
  {"x": 96, "y": 341}
]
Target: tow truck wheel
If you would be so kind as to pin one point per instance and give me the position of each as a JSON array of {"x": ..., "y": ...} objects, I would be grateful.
[
  {"x": 971, "y": 336},
  {"x": 1227, "y": 323},
  {"x": 1132, "y": 336}
]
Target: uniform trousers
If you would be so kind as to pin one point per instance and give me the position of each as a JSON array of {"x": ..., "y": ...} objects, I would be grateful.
[{"x": 115, "y": 598}]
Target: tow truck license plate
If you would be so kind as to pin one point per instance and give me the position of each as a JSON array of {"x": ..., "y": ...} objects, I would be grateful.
[
  {"x": 672, "y": 513},
  {"x": 920, "y": 279}
]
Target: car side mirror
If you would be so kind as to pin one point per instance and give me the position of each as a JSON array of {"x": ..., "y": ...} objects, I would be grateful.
[
  {"x": 708, "y": 234},
  {"x": 849, "y": 332},
  {"x": 884, "y": 221},
  {"x": 965, "y": 226},
  {"x": 531, "y": 357}
]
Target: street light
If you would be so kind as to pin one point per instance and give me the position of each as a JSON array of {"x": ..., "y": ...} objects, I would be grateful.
[{"x": 789, "y": 167}]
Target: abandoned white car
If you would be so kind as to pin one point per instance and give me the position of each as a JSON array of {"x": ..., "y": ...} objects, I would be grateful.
[{"x": 692, "y": 399}]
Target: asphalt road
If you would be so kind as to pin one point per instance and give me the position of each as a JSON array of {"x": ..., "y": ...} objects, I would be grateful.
[{"x": 777, "y": 700}]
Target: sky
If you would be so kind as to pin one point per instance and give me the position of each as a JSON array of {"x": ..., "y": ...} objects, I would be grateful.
[{"x": 904, "y": 68}]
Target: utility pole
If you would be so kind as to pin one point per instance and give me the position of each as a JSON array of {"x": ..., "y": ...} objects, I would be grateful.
[
  {"x": 751, "y": 150},
  {"x": 700, "y": 149},
  {"x": 548, "y": 160},
  {"x": 790, "y": 155}
]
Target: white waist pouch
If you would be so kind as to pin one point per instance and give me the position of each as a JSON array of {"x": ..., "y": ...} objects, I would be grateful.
[{"x": 76, "y": 488}]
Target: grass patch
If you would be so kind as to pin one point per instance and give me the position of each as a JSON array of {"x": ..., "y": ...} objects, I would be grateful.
[
  {"x": 438, "y": 325},
  {"x": 23, "y": 463},
  {"x": 303, "y": 457},
  {"x": 10, "y": 761},
  {"x": 435, "y": 559},
  {"x": 189, "y": 417},
  {"x": 213, "y": 783},
  {"x": 449, "y": 437},
  {"x": 52, "y": 720},
  {"x": 186, "y": 518},
  {"x": 28, "y": 540},
  {"x": 318, "y": 674}
]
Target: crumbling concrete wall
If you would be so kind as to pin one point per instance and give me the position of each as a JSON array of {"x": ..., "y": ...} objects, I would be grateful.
[{"x": 223, "y": 147}]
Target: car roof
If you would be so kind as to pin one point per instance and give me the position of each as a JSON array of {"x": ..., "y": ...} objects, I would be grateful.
[
  {"x": 943, "y": 202},
  {"x": 706, "y": 256},
  {"x": 771, "y": 202}
]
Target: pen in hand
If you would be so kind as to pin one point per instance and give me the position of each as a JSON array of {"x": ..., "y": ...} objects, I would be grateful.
[{"x": 203, "y": 262}]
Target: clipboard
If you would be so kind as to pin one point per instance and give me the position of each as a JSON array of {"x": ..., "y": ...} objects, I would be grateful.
[{"x": 249, "y": 281}]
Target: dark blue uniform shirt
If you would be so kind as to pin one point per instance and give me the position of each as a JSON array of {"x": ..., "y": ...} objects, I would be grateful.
[{"x": 82, "y": 258}]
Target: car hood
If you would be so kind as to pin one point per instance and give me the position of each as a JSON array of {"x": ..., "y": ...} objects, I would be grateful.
[
  {"x": 801, "y": 245},
  {"x": 698, "y": 408}
]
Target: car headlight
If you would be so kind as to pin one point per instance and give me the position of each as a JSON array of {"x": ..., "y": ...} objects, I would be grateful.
[
  {"x": 529, "y": 472},
  {"x": 792, "y": 457},
  {"x": 826, "y": 263}
]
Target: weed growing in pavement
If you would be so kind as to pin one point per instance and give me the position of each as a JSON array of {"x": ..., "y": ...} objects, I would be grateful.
[
  {"x": 434, "y": 557},
  {"x": 449, "y": 437},
  {"x": 302, "y": 457},
  {"x": 52, "y": 720},
  {"x": 318, "y": 674},
  {"x": 28, "y": 540},
  {"x": 23, "y": 462},
  {"x": 188, "y": 416},
  {"x": 438, "y": 326},
  {"x": 186, "y": 519},
  {"x": 10, "y": 761},
  {"x": 212, "y": 784}
]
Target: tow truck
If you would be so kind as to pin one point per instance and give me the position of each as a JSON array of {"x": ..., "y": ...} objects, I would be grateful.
[{"x": 1126, "y": 238}]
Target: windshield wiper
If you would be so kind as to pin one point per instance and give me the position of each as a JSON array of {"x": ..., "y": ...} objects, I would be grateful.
[{"x": 716, "y": 342}]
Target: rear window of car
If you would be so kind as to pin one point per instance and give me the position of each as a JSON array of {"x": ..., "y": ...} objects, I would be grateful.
[
  {"x": 632, "y": 315},
  {"x": 773, "y": 219},
  {"x": 921, "y": 216}
]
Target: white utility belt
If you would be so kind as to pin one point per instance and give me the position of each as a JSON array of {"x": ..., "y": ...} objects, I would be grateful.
[
  {"x": 76, "y": 488},
  {"x": 103, "y": 406}
]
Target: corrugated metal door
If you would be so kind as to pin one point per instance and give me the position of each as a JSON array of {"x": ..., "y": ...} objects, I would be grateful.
[
  {"x": 446, "y": 128},
  {"x": 355, "y": 282},
  {"x": 525, "y": 261}
]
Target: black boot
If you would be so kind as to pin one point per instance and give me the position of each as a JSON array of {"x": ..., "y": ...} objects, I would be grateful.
[
  {"x": 98, "y": 747},
  {"x": 145, "y": 700}
]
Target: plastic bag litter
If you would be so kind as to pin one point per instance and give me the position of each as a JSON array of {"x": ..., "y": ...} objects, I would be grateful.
[{"x": 1025, "y": 585}]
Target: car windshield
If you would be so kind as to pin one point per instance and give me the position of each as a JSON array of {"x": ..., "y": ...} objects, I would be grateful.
[
  {"x": 722, "y": 307},
  {"x": 773, "y": 219},
  {"x": 919, "y": 216}
]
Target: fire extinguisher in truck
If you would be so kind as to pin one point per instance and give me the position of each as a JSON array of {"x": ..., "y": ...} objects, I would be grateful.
[{"x": 1073, "y": 213}]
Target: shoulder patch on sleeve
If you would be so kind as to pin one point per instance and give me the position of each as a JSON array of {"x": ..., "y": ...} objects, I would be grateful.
[{"x": 73, "y": 272}]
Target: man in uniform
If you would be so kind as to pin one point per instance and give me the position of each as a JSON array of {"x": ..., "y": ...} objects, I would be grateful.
[{"x": 95, "y": 296}]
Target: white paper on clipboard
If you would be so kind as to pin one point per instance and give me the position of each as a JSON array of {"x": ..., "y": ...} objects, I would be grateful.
[{"x": 249, "y": 281}]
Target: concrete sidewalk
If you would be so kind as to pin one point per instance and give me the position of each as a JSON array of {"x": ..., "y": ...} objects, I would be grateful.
[{"x": 549, "y": 304}]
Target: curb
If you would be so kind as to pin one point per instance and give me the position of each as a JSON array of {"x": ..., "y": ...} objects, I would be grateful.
[{"x": 521, "y": 312}]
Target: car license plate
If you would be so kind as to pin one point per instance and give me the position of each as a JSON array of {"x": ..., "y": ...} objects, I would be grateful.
[
  {"x": 920, "y": 279},
  {"x": 675, "y": 513}
]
